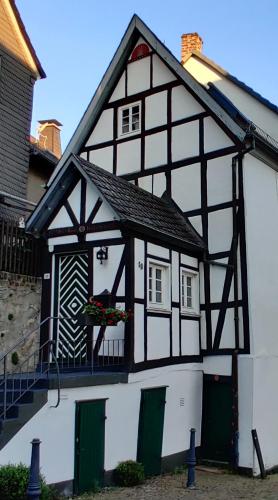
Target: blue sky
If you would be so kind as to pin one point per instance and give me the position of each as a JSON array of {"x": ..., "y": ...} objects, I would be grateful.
[{"x": 76, "y": 39}]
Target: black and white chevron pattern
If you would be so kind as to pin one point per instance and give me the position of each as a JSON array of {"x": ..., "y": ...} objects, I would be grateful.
[{"x": 72, "y": 294}]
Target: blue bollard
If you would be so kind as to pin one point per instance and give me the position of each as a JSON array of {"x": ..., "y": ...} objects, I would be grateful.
[
  {"x": 34, "y": 485},
  {"x": 191, "y": 462}
]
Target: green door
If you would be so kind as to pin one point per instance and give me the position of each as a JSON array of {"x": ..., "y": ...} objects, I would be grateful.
[
  {"x": 217, "y": 421},
  {"x": 150, "y": 432},
  {"x": 89, "y": 445}
]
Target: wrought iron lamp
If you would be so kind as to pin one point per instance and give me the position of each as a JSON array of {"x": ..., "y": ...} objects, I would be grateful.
[{"x": 102, "y": 254}]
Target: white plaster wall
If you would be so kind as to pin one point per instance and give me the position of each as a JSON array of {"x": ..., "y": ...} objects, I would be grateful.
[
  {"x": 139, "y": 253},
  {"x": 184, "y": 104},
  {"x": 55, "y": 427},
  {"x": 138, "y": 333},
  {"x": 185, "y": 140},
  {"x": 119, "y": 91},
  {"x": 186, "y": 182},
  {"x": 219, "y": 180},
  {"x": 146, "y": 183},
  {"x": 129, "y": 157},
  {"x": 203, "y": 331},
  {"x": 190, "y": 337},
  {"x": 156, "y": 110},
  {"x": 62, "y": 240},
  {"x": 138, "y": 76},
  {"x": 228, "y": 332},
  {"x": 217, "y": 278},
  {"x": 158, "y": 251},
  {"x": 74, "y": 200},
  {"x": 104, "y": 214},
  {"x": 266, "y": 407},
  {"x": 159, "y": 184},
  {"x": 217, "y": 365},
  {"x": 103, "y": 235},
  {"x": 158, "y": 338},
  {"x": 189, "y": 261},
  {"x": 261, "y": 210},
  {"x": 175, "y": 277},
  {"x": 220, "y": 225},
  {"x": 103, "y": 130},
  {"x": 103, "y": 158},
  {"x": 156, "y": 150},
  {"x": 91, "y": 198},
  {"x": 62, "y": 219},
  {"x": 175, "y": 331},
  {"x": 161, "y": 74},
  {"x": 197, "y": 224},
  {"x": 104, "y": 274},
  {"x": 214, "y": 137},
  {"x": 245, "y": 409},
  {"x": 247, "y": 104}
]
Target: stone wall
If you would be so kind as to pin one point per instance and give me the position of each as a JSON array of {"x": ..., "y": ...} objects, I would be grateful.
[{"x": 20, "y": 298}]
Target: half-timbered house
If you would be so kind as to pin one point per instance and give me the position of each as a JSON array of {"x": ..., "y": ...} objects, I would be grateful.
[{"x": 177, "y": 188}]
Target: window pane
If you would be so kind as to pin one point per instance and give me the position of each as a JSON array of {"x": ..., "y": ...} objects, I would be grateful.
[
  {"x": 125, "y": 113},
  {"x": 135, "y": 110},
  {"x": 158, "y": 286},
  {"x": 150, "y": 271},
  {"x": 125, "y": 129},
  {"x": 150, "y": 296},
  {"x": 158, "y": 274},
  {"x": 158, "y": 297},
  {"x": 189, "y": 302}
]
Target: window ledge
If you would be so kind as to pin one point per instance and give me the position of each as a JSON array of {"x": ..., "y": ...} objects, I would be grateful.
[
  {"x": 190, "y": 313},
  {"x": 159, "y": 310}
]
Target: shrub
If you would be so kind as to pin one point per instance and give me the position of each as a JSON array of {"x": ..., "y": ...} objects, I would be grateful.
[
  {"x": 129, "y": 473},
  {"x": 14, "y": 481}
]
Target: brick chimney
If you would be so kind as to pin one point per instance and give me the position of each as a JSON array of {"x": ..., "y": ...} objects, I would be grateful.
[
  {"x": 49, "y": 136},
  {"x": 190, "y": 42}
]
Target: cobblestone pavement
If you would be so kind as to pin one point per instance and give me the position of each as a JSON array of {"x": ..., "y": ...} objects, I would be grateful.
[{"x": 210, "y": 486}]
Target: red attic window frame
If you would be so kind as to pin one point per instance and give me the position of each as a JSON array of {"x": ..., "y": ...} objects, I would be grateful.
[{"x": 142, "y": 50}]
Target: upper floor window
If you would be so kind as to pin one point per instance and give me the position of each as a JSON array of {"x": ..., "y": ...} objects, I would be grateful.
[
  {"x": 158, "y": 286},
  {"x": 130, "y": 119},
  {"x": 189, "y": 292}
]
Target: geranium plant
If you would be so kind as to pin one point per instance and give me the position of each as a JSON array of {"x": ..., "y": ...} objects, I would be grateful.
[{"x": 102, "y": 315}]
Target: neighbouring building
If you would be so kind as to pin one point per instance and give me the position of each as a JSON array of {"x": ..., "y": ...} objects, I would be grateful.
[
  {"x": 19, "y": 70},
  {"x": 166, "y": 196}
]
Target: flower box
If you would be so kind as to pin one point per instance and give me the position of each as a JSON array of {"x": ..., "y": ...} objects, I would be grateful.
[{"x": 96, "y": 313}]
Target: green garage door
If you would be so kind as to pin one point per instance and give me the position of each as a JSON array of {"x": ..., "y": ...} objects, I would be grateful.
[
  {"x": 89, "y": 445},
  {"x": 150, "y": 433}
]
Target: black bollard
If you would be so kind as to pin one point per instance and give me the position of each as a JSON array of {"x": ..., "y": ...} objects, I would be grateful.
[
  {"x": 191, "y": 462},
  {"x": 34, "y": 485}
]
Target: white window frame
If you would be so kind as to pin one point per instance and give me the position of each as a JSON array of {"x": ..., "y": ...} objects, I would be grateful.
[
  {"x": 195, "y": 307},
  {"x": 120, "y": 120},
  {"x": 165, "y": 268}
]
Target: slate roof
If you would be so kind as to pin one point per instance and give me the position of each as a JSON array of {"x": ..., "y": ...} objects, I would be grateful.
[{"x": 140, "y": 207}]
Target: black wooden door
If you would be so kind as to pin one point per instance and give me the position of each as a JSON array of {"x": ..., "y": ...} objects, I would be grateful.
[{"x": 217, "y": 420}]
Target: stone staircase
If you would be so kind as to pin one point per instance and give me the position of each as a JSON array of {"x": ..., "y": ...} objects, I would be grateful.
[{"x": 22, "y": 404}]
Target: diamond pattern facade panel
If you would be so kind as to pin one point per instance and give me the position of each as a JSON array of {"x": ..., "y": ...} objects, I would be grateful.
[{"x": 72, "y": 294}]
